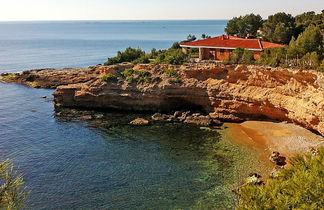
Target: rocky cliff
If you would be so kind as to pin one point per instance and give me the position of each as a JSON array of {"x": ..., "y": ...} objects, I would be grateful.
[{"x": 231, "y": 93}]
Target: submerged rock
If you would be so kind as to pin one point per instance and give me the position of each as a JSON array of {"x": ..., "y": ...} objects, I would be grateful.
[
  {"x": 199, "y": 120},
  {"x": 86, "y": 117},
  {"x": 139, "y": 121}
]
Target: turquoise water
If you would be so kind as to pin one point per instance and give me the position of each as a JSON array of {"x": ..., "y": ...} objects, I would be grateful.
[{"x": 69, "y": 164}]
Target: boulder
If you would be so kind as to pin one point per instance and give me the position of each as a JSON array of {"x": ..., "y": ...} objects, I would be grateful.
[
  {"x": 139, "y": 121},
  {"x": 277, "y": 159},
  {"x": 199, "y": 120},
  {"x": 86, "y": 117},
  {"x": 254, "y": 179}
]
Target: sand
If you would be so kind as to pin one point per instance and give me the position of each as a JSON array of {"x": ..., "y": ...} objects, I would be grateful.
[{"x": 286, "y": 138}]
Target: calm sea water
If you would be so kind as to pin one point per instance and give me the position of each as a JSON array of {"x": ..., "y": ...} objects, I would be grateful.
[
  {"x": 29, "y": 45},
  {"x": 70, "y": 165}
]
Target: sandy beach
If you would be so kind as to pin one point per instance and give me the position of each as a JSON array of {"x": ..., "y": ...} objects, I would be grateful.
[{"x": 286, "y": 138}]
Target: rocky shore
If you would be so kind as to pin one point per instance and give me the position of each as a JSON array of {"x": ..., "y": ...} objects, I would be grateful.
[{"x": 223, "y": 93}]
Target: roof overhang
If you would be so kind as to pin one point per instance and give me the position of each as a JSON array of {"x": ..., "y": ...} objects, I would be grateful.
[{"x": 227, "y": 48}]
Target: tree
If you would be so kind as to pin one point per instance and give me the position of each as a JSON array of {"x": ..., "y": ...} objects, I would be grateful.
[
  {"x": 12, "y": 195},
  {"x": 129, "y": 55},
  {"x": 273, "y": 57},
  {"x": 278, "y": 28},
  {"x": 309, "y": 18},
  {"x": 240, "y": 55},
  {"x": 205, "y": 36},
  {"x": 311, "y": 40},
  {"x": 301, "y": 186},
  {"x": 311, "y": 60},
  {"x": 190, "y": 38},
  {"x": 244, "y": 26}
]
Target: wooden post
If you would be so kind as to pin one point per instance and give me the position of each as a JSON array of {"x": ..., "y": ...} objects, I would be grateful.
[{"x": 201, "y": 53}]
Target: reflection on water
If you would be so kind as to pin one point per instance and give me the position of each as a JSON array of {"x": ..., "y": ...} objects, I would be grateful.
[{"x": 106, "y": 163}]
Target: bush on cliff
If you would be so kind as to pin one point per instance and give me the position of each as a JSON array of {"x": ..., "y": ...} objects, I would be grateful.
[
  {"x": 298, "y": 187},
  {"x": 129, "y": 55},
  {"x": 273, "y": 57},
  {"x": 171, "y": 56},
  {"x": 109, "y": 78},
  {"x": 12, "y": 195},
  {"x": 240, "y": 55},
  {"x": 138, "y": 76}
]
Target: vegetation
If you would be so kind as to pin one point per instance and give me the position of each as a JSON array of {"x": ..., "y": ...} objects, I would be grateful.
[
  {"x": 129, "y": 55},
  {"x": 175, "y": 81},
  {"x": 174, "y": 56},
  {"x": 309, "y": 18},
  {"x": 244, "y": 26},
  {"x": 169, "y": 72},
  {"x": 138, "y": 76},
  {"x": 190, "y": 38},
  {"x": 171, "y": 56},
  {"x": 304, "y": 34},
  {"x": 109, "y": 77},
  {"x": 298, "y": 187},
  {"x": 205, "y": 36},
  {"x": 8, "y": 77},
  {"x": 279, "y": 28},
  {"x": 273, "y": 57},
  {"x": 240, "y": 55},
  {"x": 12, "y": 195}
]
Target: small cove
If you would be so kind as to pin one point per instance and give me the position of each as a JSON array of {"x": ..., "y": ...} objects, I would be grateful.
[{"x": 69, "y": 164}]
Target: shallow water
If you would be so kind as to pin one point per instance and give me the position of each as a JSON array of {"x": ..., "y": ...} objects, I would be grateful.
[{"x": 69, "y": 164}]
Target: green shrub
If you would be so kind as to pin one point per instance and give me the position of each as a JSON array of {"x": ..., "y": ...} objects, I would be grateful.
[
  {"x": 175, "y": 81},
  {"x": 175, "y": 45},
  {"x": 247, "y": 57},
  {"x": 132, "y": 75},
  {"x": 240, "y": 56},
  {"x": 273, "y": 57},
  {"x": 170, "y": 72},
  {"x": 171, "y": 56},
  {"x": 130, "y": 79},
  {"x": 9, "y": 77},
  {"x": 129, "y": 72},
  {"x": 311, "y": 60},
  {"x": 109, "y": 77},
  {"x": 141, "y": 60},
  {"x": 12, "y": 195},
  {"x": 321, "y": 67},
  {"x": 129, "y": 55},
  {"x": 298, "y": 187}
]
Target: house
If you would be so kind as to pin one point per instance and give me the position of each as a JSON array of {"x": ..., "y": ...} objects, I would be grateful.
[{"x": 220, "y": 48}]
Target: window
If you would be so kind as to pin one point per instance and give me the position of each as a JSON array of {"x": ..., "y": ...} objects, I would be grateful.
[{"x": 222, "y": 51}]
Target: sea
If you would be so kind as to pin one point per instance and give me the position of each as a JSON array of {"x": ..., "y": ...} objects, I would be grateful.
[{"x": 70, "y": 164}]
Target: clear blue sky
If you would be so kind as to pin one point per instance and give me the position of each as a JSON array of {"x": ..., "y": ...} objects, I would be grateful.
[{"x": 148, "y": 9}]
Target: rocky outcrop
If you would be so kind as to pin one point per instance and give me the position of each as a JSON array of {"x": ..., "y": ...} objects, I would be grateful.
[
  {"x": 51, "y": 78},
  {"x": 231, "y": 93},
  {"x": 139, "y": 121}
]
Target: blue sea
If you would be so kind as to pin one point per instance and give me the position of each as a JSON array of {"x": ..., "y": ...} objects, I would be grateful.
[
  {"x": 69, "y": 164},
  {"x": 30, "y": 45}
]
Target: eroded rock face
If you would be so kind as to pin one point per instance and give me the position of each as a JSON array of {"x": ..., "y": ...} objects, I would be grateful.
[
  {"x": 225, "y": 93},
  {"x": 52, "y": 78}
]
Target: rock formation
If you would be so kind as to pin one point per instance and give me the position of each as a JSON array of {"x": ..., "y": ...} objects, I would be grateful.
[
  {"x": 226, "y": 93},
  {"x": 231, "y": 93}
]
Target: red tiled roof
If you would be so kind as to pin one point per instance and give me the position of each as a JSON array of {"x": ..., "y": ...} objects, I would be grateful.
[
  {"x": 231, "y": 42},
  {"x": 267, "y": 45}
]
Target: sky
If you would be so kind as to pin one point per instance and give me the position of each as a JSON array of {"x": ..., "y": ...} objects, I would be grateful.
[{"x": 11, "y": 10}]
